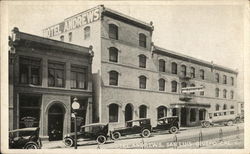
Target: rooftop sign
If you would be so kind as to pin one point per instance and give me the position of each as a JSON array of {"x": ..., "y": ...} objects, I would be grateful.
[{"x": 73, "y": 22}]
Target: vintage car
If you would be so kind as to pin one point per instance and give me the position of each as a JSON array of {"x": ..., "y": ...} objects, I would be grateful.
[
  {"x": 226, "y": 117},
  {"x": 96, "y": 131},
  {"x": 167, "y": 123},
  {"x": 140, "y": 126},
  {"x": 25, "y": 138}
]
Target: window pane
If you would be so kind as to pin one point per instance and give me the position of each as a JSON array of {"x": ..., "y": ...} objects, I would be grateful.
[
  {"x": 142, "y": 61},
  {"x": 24, "y": 73},
  {"x": 113, "y": 54},
  {"x": 174, "y": 68},
  {"x": 51, "y": 79},
  {"x": 161, "y": 65},
  {"x": 59, "y": 78},
  {"x": 142, "y": 40},
  {"x": 113, "y": 31},
  {"x": 113, "y": 113},
  {"x": 113, "y": 78},
  {"x": 162, "y": 85},
  {"x": 142, "y": 82},
  {"x": 81, "y": 80},
  {"x": 174, "y": 86},
  {"x": 73, "y": 80},
  {"x": 35, "y": 76},
  {"x": 142, "y": 111}
]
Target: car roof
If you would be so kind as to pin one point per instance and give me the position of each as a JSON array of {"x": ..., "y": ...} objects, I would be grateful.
[
  {"x": 167, "y": 117},
  {"x": 138, "y": 119},
  {"x": 24, "y": 129},
  {"x": 94, "y": 124}
]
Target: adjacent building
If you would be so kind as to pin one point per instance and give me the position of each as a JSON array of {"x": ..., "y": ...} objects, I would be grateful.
[
  {"x": 44, "y": 77},
  {"x": 133, "y": 78}
]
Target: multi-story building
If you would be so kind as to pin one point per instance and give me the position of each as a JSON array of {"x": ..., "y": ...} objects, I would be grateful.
[
  {"x": 44, "y": 77},
  {"x": 135, "y": 79}
]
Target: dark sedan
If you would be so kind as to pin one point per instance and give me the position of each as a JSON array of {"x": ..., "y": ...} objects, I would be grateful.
[
  {"x": 25, "y": 138},
  {"x": 139, "y": 126},
  {"x": 168, "y": 123}
]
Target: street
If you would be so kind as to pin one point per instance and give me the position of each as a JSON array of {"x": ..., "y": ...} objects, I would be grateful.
[{"x": 220, "y": 137}]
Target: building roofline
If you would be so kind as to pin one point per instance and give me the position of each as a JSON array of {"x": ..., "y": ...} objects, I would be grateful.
[{"x": 187, "y": 58}]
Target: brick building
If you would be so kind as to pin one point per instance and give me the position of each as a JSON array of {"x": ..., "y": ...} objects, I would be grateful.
[
  {"x": 44, "y": 77},
  {"x": 133, "y": 78}
]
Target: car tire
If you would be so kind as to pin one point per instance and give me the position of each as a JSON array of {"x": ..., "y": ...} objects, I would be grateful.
[
  {"x": 173, "y": 130},
  {"x": 101, "y": 139},
  {"x": 230, "y": 123},
  {"x": 31, "y": 146},
  {"x": 145, "y": 133},
  {"x": 69, "y": 142},
  {"x": 116, "y": 135},
  {"x": 206, "y": 124}
]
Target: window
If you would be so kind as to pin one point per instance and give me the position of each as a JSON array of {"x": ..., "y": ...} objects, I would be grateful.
[
  {"x": 142, "y": 82},
  {"x": 224, "y": 93},
  {"x": 232, "y": 94},
  {"x": 113, "y": 54},
  {"x": 29, "y": 110},
  {"x": 217, "y": 107},
  {"x": 162, "y": 65},
  {"x": 30, "y": 70},
  {"x": 113, "y": 112},
  {"x": 161, "y": 112},
  {"x": 192, "y": 85},
  {"x": 174, "y": 68},
  {"x": 142, "y": 61},
  {"x": 217, "y": 92},
  {"x": 56, "y": 74},
  {"x": 183, "y": 85},
  {"x": 86, "y": 33},
  {"x": 183, "y": 70},
  {"x": 224, "y": 79},
  {"x": 232, "y": 81},
  {"x": 78, "y": 77},
  {"x": 113, "y": 78},
  {"x": 142, "y": 40},
  {"x": 113, "y": 31},
  {"x": 231, "y": 107},
  {"x": 143, "y": 111},
  {"x": 192, "y": 72},
  {"x": 70, "y": 36},
  {"x": 224, "y": 107},
  {"x": 192, "y": 115},
  {"x": 62, "y": 38},
  {"x": 174, "y": 86},
  {"x": 217, "y": 77},
  {"x": 202, "y": 74},
  {"x": 202, "y": 93},
  {"x": 161, "y": 85}
]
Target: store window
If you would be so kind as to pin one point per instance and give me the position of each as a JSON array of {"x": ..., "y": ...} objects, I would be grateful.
[
  {"x": 143, "y": 111},
  {"x": 217, "y": 92},
  {"x": 142, "y": 82},
  {"x": 162, "y": 65},
  {"x": 174, "y": 68},
  {"x": 192, "y": 72},
  {"x": 202, "y": 74},
  {"x": 30, "y": 70},
  {"x": 224, "y": 93},
  {"x": 224, "y": 79},
  {"x": 113, "y": 112},
  {"x": 173, "y": 86},
  {"x": 142, "y": 40},
  {"x": 192, "y": 115},
  {"x": 183, "y": 70},
  {"x": 217, "y": 77},
  {"x": 113, "y": 78},
  {"x": 79, "y": 78},
  {"x": 56, "y": 74},
  {"x": 70, "y": 36},
  {"x": 86, "y": 33},
  {"x": 142, "y": 61},
  {"x": 29, "y": 110},
  {"x": 161, "y": 85},
  {"x": 113, "y": 31},
  {"x": 113, "y": 54}
]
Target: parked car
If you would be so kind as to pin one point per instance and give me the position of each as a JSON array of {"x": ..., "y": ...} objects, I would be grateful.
[
  {"x": 167, "y": 123},
  {"x": 226, "y": 117},
  {"x": 25, "y": 138},
  {"x": 140, "y": 126},
  {"x": 96, "y": 131}
]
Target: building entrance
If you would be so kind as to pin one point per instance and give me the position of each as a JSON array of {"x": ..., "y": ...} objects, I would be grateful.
[{"x": 183, "y": 116}]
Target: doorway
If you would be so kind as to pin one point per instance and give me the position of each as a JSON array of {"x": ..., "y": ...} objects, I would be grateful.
[
  {"x": 55, "y": 122},
  {"x": 128, "y": 112},
  {"x": 183, "y": 116}
]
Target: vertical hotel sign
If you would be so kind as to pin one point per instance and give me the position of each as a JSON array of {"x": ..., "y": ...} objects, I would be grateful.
[{"x": 73, "y": 22}]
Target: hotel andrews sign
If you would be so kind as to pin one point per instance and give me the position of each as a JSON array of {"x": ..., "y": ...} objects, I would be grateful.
[{"x": 73, "y": 22}]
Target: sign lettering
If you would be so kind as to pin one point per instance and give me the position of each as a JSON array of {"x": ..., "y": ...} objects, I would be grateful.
[{"x": 192, "y": 89}]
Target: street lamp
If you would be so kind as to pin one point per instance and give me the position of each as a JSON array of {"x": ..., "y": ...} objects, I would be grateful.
[{"x": 75, "y": 106}]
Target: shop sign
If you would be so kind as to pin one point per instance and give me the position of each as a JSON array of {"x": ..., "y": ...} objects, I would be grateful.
[
  {"x": 28, "y": 121},
  {"x": 73, "y": 22},
  {"x": 192, "y": 89}
]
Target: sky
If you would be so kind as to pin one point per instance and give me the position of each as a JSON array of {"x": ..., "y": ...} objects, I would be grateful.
[{"x": 211, "y": 32}]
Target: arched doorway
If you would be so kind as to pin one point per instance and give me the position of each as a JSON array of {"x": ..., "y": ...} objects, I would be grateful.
[
  {"x": 55, "y": 122},
  {"x": 128, "y": 112},
  {"x": 161, "y": 112}
]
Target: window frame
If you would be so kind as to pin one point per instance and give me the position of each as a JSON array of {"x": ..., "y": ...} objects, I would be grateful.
[
  {"x": 54, "y": 69},
  {"x": 142, "y": 40},
  {"x": 113, "y": 31},
  {"x": 113, "y": 54},
  {"x": 79, "y": 70},
  {"x": 174, "y": 68},
  {"x": 162, "y": 84},
  {"x": 142, "y": 61},
  {"x": 162, "y": 65},
  {"x": 174, "y": 88},
  {"x": 202, "y": 74},
  {"x": 142, "y": 82},
  {"x": 113, "y": 78},
  {"x": 116, "y": 113},
  {"x": 192, "y": 72}
]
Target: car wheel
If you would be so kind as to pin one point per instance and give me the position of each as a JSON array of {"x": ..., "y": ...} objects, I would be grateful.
[
  {"x": 173, "y": 130},
  {"x": 116, "y": 135},
  {"x": 206, "y": 124},
  {"x": 31, "y": 146},
  {"x": 145, "y": 133},
  {"x": 68, "y": 142},
  {"x": 101, "y": 139},
  {"x": 230, "y": 123}
]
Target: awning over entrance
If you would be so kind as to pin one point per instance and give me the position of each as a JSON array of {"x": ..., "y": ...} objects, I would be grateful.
[{"x": 179, "y": 105}]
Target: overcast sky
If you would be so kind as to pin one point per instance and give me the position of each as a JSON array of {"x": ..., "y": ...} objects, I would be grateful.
[{"x": 208, "y": 32}]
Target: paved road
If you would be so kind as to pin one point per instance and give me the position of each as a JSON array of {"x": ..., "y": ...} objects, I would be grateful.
[{"x": 186, "y": 138}]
